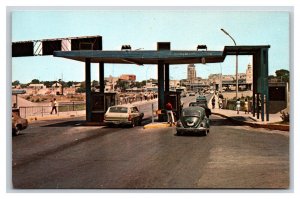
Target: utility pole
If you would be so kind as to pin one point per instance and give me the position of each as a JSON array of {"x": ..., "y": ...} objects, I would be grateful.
[{"x": 236, "y": 64}]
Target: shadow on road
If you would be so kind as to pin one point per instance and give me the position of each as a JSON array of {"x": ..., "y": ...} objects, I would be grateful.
[
  {"x": 222, "y": 122},
  {"x": 66, "y": 123}
]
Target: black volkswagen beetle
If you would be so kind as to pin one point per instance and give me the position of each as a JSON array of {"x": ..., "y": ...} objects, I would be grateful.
[
  {"x": 202, "y": 104},
  {"x": 193, "y": 119}
]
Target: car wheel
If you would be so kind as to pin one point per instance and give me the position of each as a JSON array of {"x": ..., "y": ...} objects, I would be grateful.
[
  {"x": 17, "y": 131},
  {"x": 178, "y": 133}
]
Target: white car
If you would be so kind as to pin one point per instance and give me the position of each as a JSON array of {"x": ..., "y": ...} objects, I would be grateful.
[{"x": 128, "y": 115}]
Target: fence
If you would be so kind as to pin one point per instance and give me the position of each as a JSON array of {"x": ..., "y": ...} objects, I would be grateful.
[{"x": 41, "y": 111}]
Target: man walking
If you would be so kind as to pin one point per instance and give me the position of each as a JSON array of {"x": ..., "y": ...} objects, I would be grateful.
[{"x": 54, "y": 105}]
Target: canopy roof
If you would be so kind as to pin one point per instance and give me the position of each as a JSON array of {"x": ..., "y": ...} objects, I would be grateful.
[{"x": 143, "y": 57}]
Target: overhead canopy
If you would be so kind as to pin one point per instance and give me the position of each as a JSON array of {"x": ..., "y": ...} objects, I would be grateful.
[
  {"x": 242, "y": 50},
  {"x": 143, "y": 57}
]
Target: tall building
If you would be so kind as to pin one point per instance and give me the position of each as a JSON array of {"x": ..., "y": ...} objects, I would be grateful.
[
  {"x": 249, "y": 75},
  {"x": 191, "y": 72},
  {"x": 128, "y": 77}
]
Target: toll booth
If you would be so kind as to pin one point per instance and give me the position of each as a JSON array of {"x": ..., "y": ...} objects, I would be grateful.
[
  {"x": 174, "y": 98},
  {"x": 100, "y": 102}
]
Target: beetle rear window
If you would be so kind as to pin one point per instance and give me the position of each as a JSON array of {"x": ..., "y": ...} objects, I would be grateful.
[{"x": 191, "y": 113}]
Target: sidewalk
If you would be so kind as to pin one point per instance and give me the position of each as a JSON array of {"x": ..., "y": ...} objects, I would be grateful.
[
  {"x": 248, "y": 119},
  {"x": 241, "y": 119}
]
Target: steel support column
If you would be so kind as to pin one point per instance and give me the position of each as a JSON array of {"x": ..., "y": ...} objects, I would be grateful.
[
  {"x": 255, "y": 107},
  {"x": 265, "y": 84},
  {"x": 101, "y": 77},
  {"x": 88, "y": 89},
  {"x": 167, "y": 78},
  {"x": 161, "y": 81}
]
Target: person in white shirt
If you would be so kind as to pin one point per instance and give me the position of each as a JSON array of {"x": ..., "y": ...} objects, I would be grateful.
[
  {"x": 54, "y": 105},
  {"x": 238, "y": 106}
]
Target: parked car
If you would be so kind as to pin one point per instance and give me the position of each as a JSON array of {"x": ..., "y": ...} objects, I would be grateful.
[
  {"x": 123, "y": 115},
  {"x": 18, "y": 123},
  {"x": 202, "y": 104},
  {"x": 193, "y": 120}
]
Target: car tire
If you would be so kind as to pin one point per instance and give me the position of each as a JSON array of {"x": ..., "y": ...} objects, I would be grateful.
[
  {"x": 17, "y": 130},
  {"x": 205, "y": 132},
  {"x": 178, "y": 133}
]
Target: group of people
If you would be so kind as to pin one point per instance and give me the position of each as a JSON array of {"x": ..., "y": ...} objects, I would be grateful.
[
  {"x": 129, "y": 98},
  {"x": 220, "y": 101},
  {"x": 238, "y": 106}
]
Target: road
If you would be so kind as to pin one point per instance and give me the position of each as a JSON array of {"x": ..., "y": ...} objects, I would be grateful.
[{"x": 67, "y": 155}]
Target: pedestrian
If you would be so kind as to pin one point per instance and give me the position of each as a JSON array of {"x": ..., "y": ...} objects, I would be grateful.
[
  {"x": 238, "y": 105},
  {"x": 246, "y": 106},
  {"x": 170, "y": 115},
  {"x": 213, "y": 102},
  {"x": 220, "y": 103},
  {"x": 54, "y": 105}
]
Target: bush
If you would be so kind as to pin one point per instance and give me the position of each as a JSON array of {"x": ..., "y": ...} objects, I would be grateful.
[{"x": 285, "y": 116}]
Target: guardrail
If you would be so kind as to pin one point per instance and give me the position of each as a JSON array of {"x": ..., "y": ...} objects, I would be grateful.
[{"x": 41, "y": 111}]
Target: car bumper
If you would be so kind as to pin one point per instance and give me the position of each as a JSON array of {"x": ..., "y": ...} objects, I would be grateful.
[
  {"x": 111, "y": 122},
  {"x": 191, "y": 130}
]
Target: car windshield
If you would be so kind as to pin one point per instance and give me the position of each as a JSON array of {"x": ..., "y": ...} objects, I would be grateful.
[
  {"x": 118, "y": 110},
  {"x": 191, "y": 112}
]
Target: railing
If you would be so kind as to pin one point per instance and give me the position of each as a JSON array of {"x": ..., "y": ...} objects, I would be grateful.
[{"x": 41, "y": 111}]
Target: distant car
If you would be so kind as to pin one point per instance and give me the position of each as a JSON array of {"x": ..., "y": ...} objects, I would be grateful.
[
  {"x": 192, "y": 94},
  {"x": 201, "y": 98},
  {"x": 128, "y": 115},
  {"x": 18, "y": 123},
  {"x": 193, "y": 120},
  {"x": 202, "y": 104}
]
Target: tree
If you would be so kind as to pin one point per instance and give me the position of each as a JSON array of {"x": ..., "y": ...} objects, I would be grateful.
[
  {"x": 15, "y": 83},
  {"x": 35, "y": 81},
  {"x": 70, "y": 83},
  {"x": 48, "y": 84},
  {"x": 123, "y": 85},
  {"x": 95, "y": 83},
  {"x": 283, "y": 75}
]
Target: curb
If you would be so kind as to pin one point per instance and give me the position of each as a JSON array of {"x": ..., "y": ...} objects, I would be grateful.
[
  {"x": 157, "y": 125},
  {"x": 255, "y": 125},
  {"x": 39, "y": 118}
]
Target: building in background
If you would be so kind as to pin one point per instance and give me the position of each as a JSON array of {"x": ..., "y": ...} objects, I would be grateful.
[
  {"x": 128, "y": 77},
  {"x": 191, "y": 73}
]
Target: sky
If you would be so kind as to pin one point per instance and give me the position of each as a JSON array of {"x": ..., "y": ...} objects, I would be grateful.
[{"x": 142, "y": 28}]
